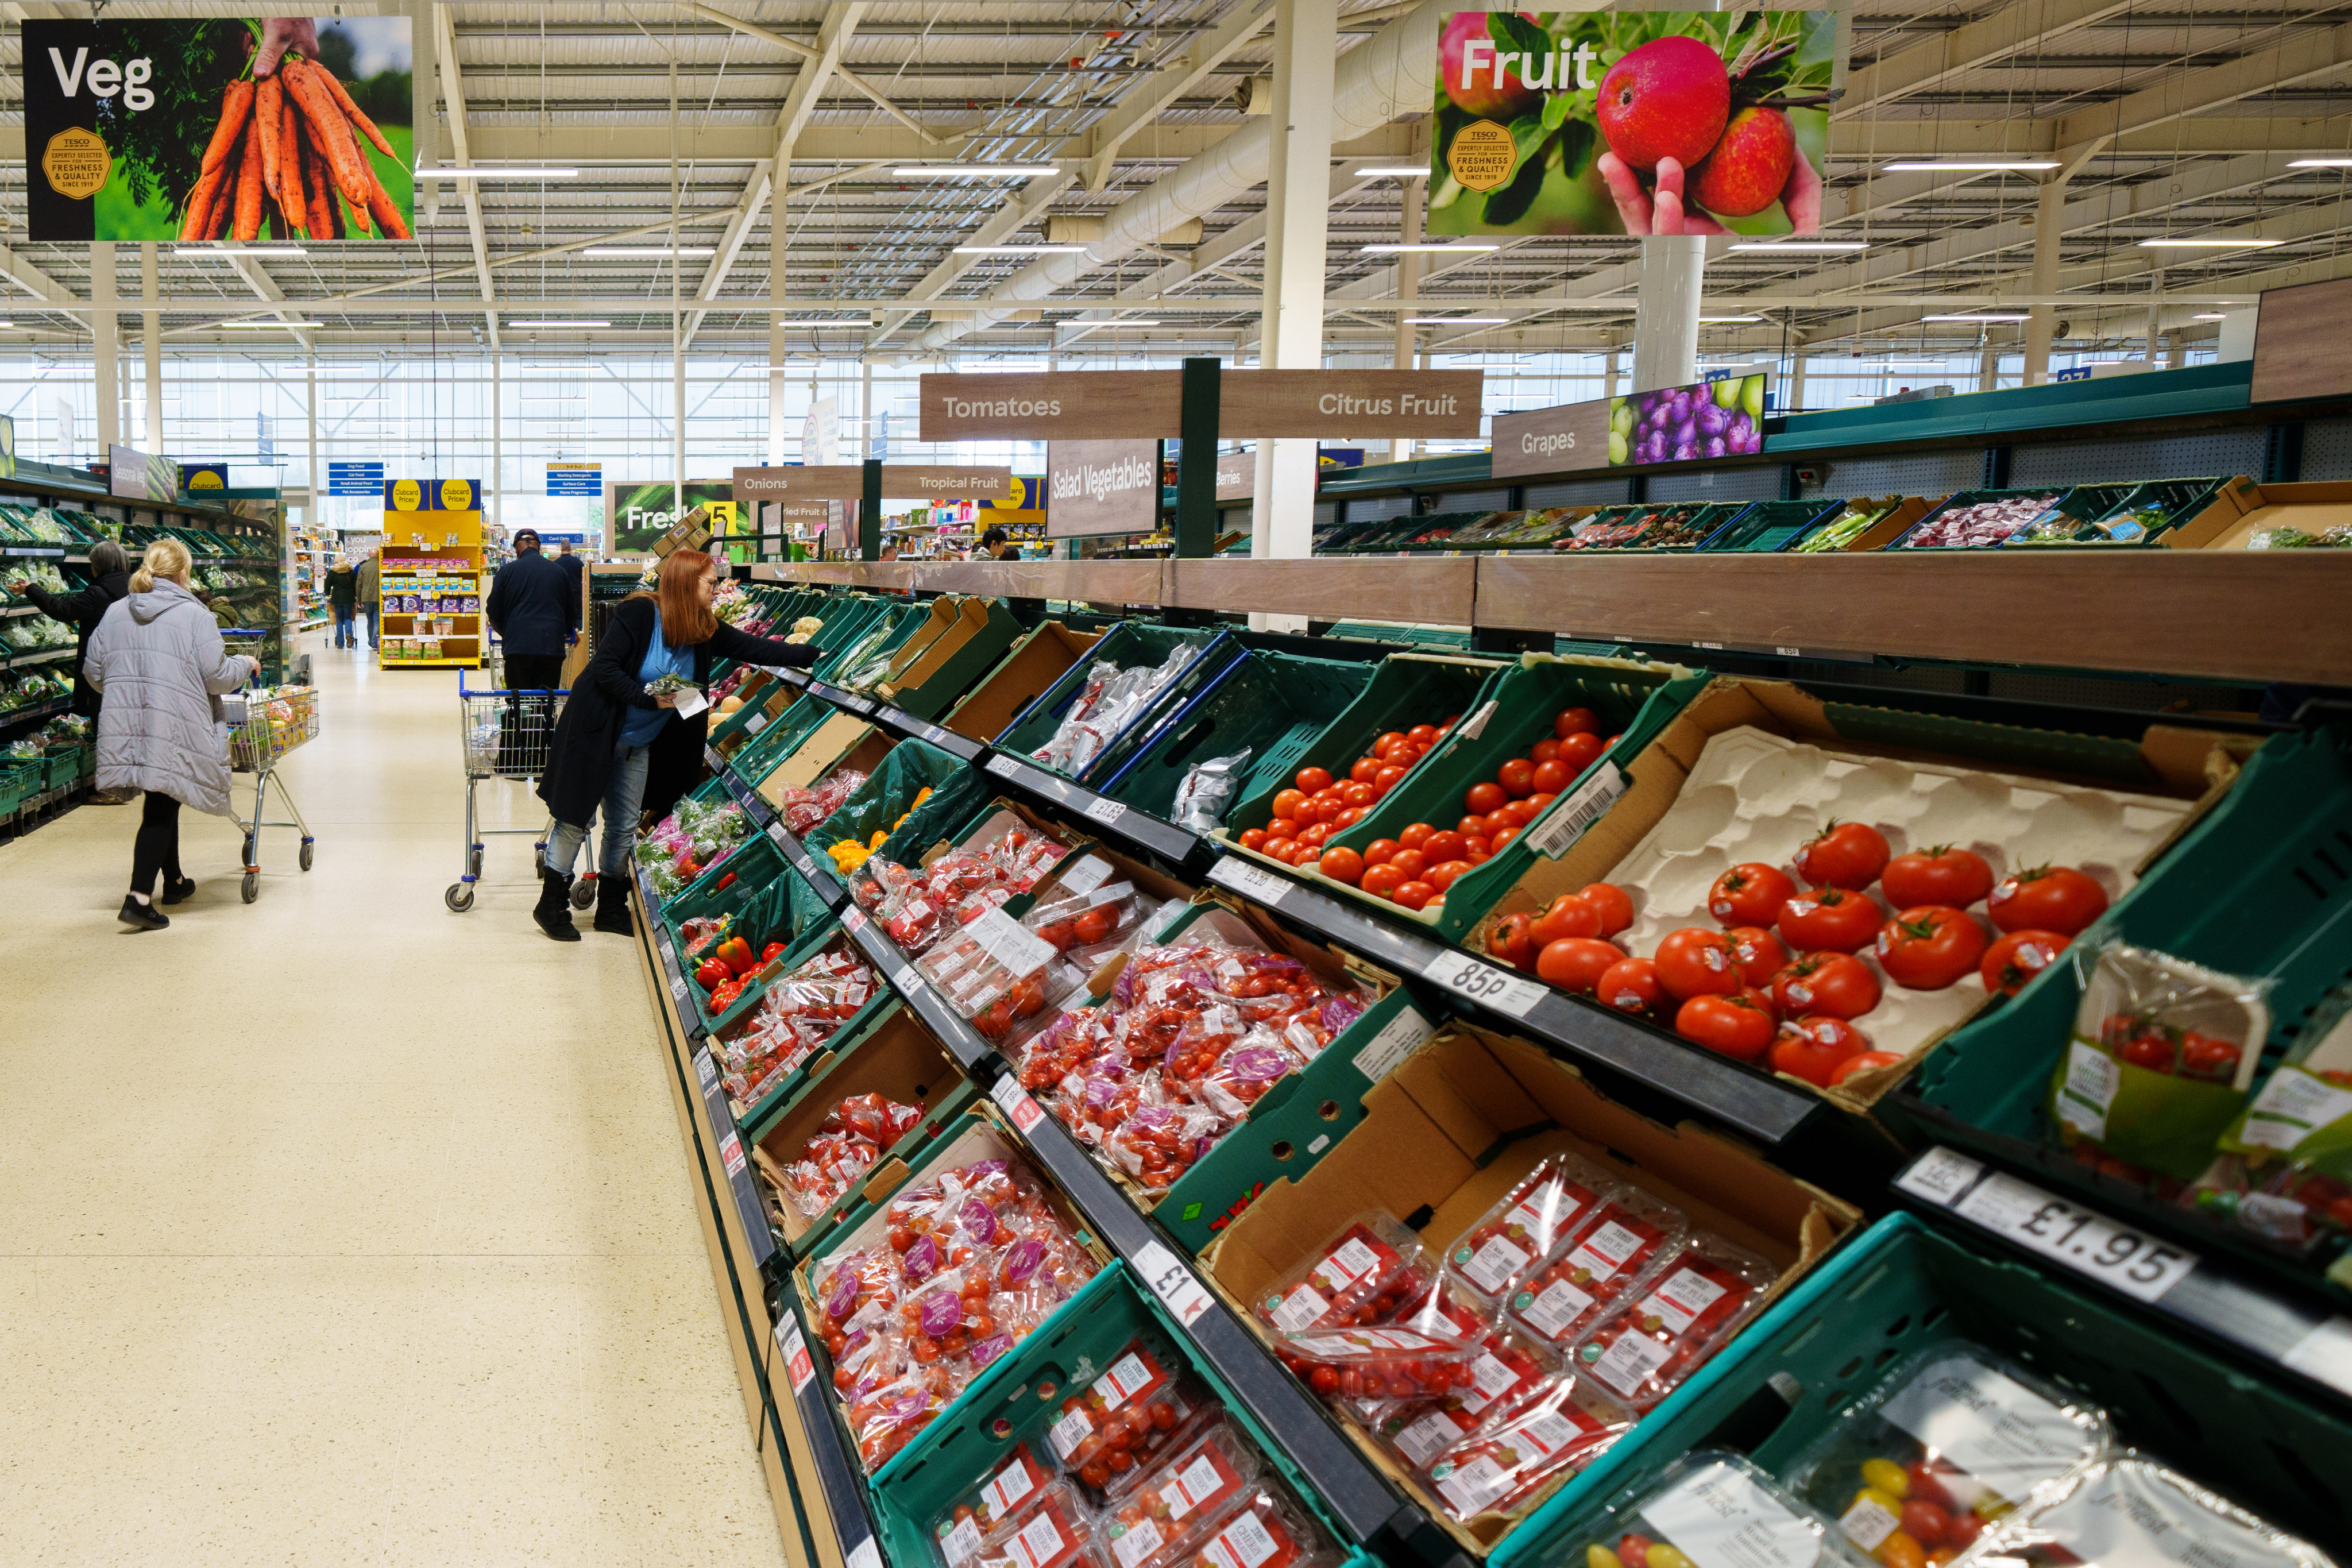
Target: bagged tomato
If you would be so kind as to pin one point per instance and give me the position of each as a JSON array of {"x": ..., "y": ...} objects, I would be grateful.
[
  {"x": 1052, "y": 1531},
  {"x": 1094, "y": 1103},
  {"x": 2158, "y": 1065},
  {"x": 848, "y": 1283},
  {"x": 1364, "y": 1274},
  {"x": 1363, "y": 1365},
  {"x": 1950, "y": 1439},
  {"x": 1508, "y": 1462},
  {"x": 1595, "y": 1266},
  {"x": 1088, "y": 920},
  {"x": 2127, "y": 1509},
  {"x": 1156, "y": 1145},
  {"x": 888, "y": 1419},
  {"x": 1241, "y": 1078},
  {"x": 1697, "y": 1504},
  {"x": 1260, "y": 1531},
  {"x": 1692, "y": 1304},
  {"x": 1549, "y": 1203},
  {"x": 1130, "y": 1414},
  {"x": 967, "y": 1525}
]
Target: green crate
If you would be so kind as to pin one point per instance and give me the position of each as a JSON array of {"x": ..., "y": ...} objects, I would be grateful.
[
  {"x": 1902, "y": 1286},
  {"x": 85, "y": 762},
  {"x": 963, "y": 669},
  {"x": 1276, "y": 704},
  {"x": 17, "y": 783},
  {"x": 1389, "y": 631},
  {"x": 1018, "y": 1397},
  {"x": 1126, "y": 645},
  {"x": 61, "y": 767},
  {"x": 754, "y": 864},
  {"x": 889, "y": 791},
  {"x": 764, "y": 752},
  {"x": 1634, "y": 700},
  {"x": 1405, "y": 689},
  {"x": 2259, "y": 886},
  {"x": 1772, "y": 524}
]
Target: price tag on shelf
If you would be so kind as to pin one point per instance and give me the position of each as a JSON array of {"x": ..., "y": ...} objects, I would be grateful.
[
  {"x": 2324, "y": 1354},
  {"x": 731, "y": 1150},
  {"x": 903, "y": 980},
  {"x": 852, "y": 919},
  {"x": 934, "y": 734},
  {"x": 1014, "y": 1101},
  {"x": 705, "y": 1069},
  {"x": 866, "y": 1554},
  {"x": 1178, "y": 1287},
  {"x": 1252, "y": 881},
  {"x": 799, "y": 1365},
  {"x": 1107, "y": 812},
  {"x": 2080, "y": 1239},
  {"x": 1939, "y": 1175},
  {"x": 1003, "y": 766},
  {"x": 1483, "y": 983},
  {"x": 776, "y": 831}
]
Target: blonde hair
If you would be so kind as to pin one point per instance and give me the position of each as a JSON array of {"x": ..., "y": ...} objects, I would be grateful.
[{"x": 164, "y": 558}]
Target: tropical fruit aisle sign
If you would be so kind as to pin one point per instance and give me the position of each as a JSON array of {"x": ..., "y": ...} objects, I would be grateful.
[{"x": 1631, "y": 122}]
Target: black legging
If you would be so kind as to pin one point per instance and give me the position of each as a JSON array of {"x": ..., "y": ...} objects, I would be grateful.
[{"x": 157, "y": 848}]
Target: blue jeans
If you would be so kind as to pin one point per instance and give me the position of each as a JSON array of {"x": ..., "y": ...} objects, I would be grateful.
[
  {"x": 344, "y": 635},
  {"x": 625, "y": 796}
]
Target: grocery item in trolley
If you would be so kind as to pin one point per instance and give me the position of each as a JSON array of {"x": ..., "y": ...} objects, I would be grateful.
[
  {"x": 1597, "y": 1265},
  {"x": 1698, "y": 1507},
  {"x": 2127, "y": 1509},
  {"x": 797, "y": 1014},
  {"x": 1693, "y": 1302},
  {"x": 1109, "y": 698},
  {"x": 846, "y": 1145},
  {"x": 1953, "y": 1437}
]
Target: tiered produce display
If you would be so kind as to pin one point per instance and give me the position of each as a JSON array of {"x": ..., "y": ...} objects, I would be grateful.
[{"x": 1170, "y": 1098}]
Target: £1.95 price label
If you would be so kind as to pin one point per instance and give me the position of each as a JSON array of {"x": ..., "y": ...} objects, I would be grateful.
[
  {"x": 1466, "y": 977},
  {"x": 2080, "y": 1239}
]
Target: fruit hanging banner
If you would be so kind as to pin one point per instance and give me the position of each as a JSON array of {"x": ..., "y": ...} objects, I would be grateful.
[
  {"x": 1631, "y": 122},
  {"x": 1675, "y": 424},
  {"x": 284, "y": 128}
]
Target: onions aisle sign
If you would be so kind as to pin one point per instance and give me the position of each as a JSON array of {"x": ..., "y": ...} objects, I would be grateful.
[
  {"x": 152, "y": 128},
  {"x": 1631, "y": 121}
]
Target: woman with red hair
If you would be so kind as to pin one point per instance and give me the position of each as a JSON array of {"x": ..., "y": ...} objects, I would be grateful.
[{"x": 617, "y": 749}]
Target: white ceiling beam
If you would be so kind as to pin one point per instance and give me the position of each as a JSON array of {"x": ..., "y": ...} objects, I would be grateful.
[
  {"x": 2178, "y": 95},
  {"x": 818, "y": 51},
  {"x": 1019, "y": 209},
  {"x": 1875, "y": 141},
  {"x": 261, "y": 284},
  {"x": 1147, "y": 100},
  {"x": 1932, "y": 60},
  {"x": 453, "y": 97}
]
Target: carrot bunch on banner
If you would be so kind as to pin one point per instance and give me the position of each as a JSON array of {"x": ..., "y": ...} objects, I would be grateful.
[{"x": 286, "y": 153}]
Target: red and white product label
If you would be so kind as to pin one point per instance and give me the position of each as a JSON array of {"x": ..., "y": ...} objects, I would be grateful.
[
  {"x": 1247, "y": 1543},
  {"x": 1678, "y": 1299},
  {"x": 1133, "y": 1375},
  {"x": 1559, "y": 1305},
  {"x": 1071, "y": 1430},
  {"x": 1606, "y": 1250},
  {"x": 1141, "y": 1541},
  {"x": 1349, "y": 1261},
  {"x": 1009, "y": 1485},
  {"x": 1303, "y": 1306},
  {"x": 1427, "y": 1437},
  {"x": 1199, "y": 1484},
  {"x": 1629, "y": 1361},
  {"x": 1491, "y": 1266},
  {"x": 1040, "y": 1541}
]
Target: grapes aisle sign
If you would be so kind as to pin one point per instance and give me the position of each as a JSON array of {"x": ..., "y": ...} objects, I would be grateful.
[
  {"x": 1631, "y": 122},
  {"x": 1674, "y": 424}
]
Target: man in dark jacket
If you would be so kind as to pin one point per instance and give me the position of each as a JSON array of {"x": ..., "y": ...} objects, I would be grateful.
[
  {"x": 574, "y": 569},
  {"x": 528, "y": 612},
  {"x": 110, "y": 579},
  {"x": 342, "y": 593}
]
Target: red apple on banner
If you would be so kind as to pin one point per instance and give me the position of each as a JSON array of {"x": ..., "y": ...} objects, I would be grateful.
[
  {"x": 1482, "y": 96},
  {"x": 1750, "y": 167},
  {"x": 1669, "y": 99}
]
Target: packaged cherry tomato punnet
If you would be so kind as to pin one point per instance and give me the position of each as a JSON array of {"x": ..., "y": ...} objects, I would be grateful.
[
  {"x": 1262, "y": 1530},
  {"x": 2159, "y": 1062},
  {"x": 1504, "y": 1463},
  {"x": 981, "y": 1514},
  {"x": 1508, "y": 1373},
  {"x": 1594, "y": 1266},
  {"x": 1152, "y": 1520},
  {"x": 1363, "y": 1273},
  {"x": 1052, "y": 1531},
  {"x": 1374, "y": 1364},
  {"x": 1691, "y": 1305},
  {"x": 1950, "y": 1439},
  {"x": 1709, "y": 1508},
  {"x": 1115, "y": 1427},
  {"x": 1546, "y": 1204},
  {"x": 2126, "y": 1510}
]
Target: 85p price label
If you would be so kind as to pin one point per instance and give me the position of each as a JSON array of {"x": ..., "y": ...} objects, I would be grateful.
[{"x": 1467, "y": 978}]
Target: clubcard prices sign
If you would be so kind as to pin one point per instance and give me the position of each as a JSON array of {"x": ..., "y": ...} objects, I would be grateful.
[{"x": 1631, "y": 122}]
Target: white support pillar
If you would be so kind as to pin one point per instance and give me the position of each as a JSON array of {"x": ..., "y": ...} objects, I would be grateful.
[
  {"x": 105, "y": 358},
  {"x": 1989, "y": 367},
  {"x": 2041, "y": 317},
  {"x": 866, "y": 411},
  {"x": 1299, "y": 196},
  {"x": 314, "y": 511},
  {"x": 777, "y": 351},
  {"x": 1666, "y": 311},
  {"x": 1797, "y": 381},
  {"x": 1408, "y": 338},
  {"x": 1609, "y": 376},
  {"x": 151, "y": 334},
  {"x": 498, "y": 510}
]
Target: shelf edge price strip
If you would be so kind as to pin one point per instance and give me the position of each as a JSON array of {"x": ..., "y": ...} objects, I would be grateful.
[
  {"x": 1178, "y": 1287},
  {"x": 2066, "y": 1232},
  {"x": 1483, "y": 983}
]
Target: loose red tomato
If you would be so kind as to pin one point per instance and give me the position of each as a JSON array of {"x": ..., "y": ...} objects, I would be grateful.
[
  {"x": 1343, "y": 865},
  {"x": 1828, "y": 984},
  {"x": 1517, "y": 777},
  {"x": 1830, "y": 920},
  {"x": 1253, "y": 837},
  {"x": 1575, "y": 722},
  {"x": 1423, "y": 735},
  {"x": 1695, "y": 961},
  {"x": 1610, "y": 904},
  {"x": 1928, "y": 946},
  {"x": 1413, "y": 895},
  {"x": 1316, "y": 834},
  {"x": 1415, "y": 835},
  {"x": 1577, "y": 962},
  {"x": 1750, "y": 894},
  {"x": 1440, "y": 876},
  {"x": 1843, "y": 855},
  {"x": 1309, "y": 811},
  {"x": 1380, "y": 880},
  {"x": 1496, "y": 840},
  {"x": 1510, "y": 939},
  {"x": 1495, "y": 821},
  {"x": 1863, "y": 1061},
  {"x": 1313, "y": 779},
  {"x": 1286, "y": 802},
  {"x": 1939, "y": 876},
  {"x": 1631, "y": 985},
  {"x": 1813, "y": 1048},
  {"x": 1552, "y": 777},
  {"x": 1731, "y": 1025},
  {"x": 2047, "y": 898},
  {"x": 1543, "y": 751},
  {"x": 1282, "y": 828},
  {"x": 1410, "y": 863},
  {"x": 1579, "y": 751},
  {"x": 2018, "y": 957},
  {"x": 1378, "y": 852},
  {"x": 1567, "y": 916},
  {"x": 1387, "y": 778},
  {"x": 1470, "y": 827},
  {"x": 1358, "y": 794},
  {"x": 1482, "y": 799},
  {"x": 1390, "y": 738},
  {"x": 1444, "y": 844},
  {"x": 1362, "y": 769},
  {"x": 1758, "y": 952},
  {"x": 1280, "y": 848},
  {"x": 1523, "y": 811}
]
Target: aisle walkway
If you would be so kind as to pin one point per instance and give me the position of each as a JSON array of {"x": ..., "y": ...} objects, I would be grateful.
[{"x": 337, "y": 1228}]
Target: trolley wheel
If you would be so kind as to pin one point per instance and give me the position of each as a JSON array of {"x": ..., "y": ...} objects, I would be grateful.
[
  {"x": 252, "y": 886},
  {"x": 583, "y": 893},
  {"x": 305, "y": 856},
  {"x": 459, "y": 898}
]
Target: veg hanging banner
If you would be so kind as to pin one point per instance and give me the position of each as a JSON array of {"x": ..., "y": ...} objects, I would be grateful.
[
  {"x": 1631, "y": 122},
  {"x": 284, "y": 128}
]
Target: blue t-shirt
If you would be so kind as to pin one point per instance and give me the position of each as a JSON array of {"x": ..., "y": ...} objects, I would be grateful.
[{"x": 644, "y": 721}]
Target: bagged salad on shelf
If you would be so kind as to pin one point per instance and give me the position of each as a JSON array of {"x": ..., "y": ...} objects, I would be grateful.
[
  {"x": 2284, "y": 1170},
  {"x": 1109, "y": 698}
]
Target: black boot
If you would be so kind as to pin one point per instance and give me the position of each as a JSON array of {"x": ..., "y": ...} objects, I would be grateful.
[
  {"x": 141, "y": 917},
  {"x": 613, "y": 907},
  {"x": 554, "y": 911}
]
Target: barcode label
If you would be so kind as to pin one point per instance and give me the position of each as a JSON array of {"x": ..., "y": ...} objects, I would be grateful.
[
  {"x": 1107, "y": 812},
  {"x": 1253, "y": 882},
  {"x": 1568, "y": 818},
  {"x": 1003, "y": 766}
]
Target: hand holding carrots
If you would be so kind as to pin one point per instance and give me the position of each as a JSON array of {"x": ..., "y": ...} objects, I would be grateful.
[
  {"x": 280, "y": 34},
  {"x": 290, "y": 143}
]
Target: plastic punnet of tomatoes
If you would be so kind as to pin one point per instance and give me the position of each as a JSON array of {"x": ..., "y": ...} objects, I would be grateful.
[
  {"x": 2158, "y": 1067},
  {"x": 1506, "y": 1462},
  {"x": 1694, "y": 1302},
  {"x": 1551, "y": 1202},
  {"x": 1951, "y": 1439},
  {"x": 1090, "y": 921},
  {"x": 1052, "y": 1530},
  {"x": 1508, "y": 1373},
  {"x": 1596, "y": 1266},
  {"x": 1155, "y": 1518},
  {"x": 797, "y": 1014},
  {"x": 2286, "y": 1171},
  {"x": 1262, "y": 1530},
  {"x": 1367, "y": 1367},
  {"x": 1135, "y": 1410},
  {"x": 2124, "y": 1508},
  {"x": 985, "y": 1511},
  {"x": 992, "y": 971},
  {"x": 1697, "y": 1505},
  {"x": 1367, "y": 1271}
]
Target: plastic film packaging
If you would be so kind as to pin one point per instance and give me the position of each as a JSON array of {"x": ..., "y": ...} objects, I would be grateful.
[
  {"x": 1503, "y": 1465},
  {"x": 1549, "y": 1204},
  {"x": 1366, "y": 1272},
  {"x": 2131, "y": 1512},
  {"x": 1594, "y": 1267},
  {"x": 1693, "y": 1302},
  {"x": 1713, "y": 1509},
  {"x": 1151, "y": 1521},
  {"x": 1207, "y": 793}
]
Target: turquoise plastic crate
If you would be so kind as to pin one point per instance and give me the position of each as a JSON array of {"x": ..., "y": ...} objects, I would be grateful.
[
  {"x": 1768, "y": 525},
  {"x": 889, "y": 791},
  {"x": 1276, "y": 705},
  {"x": 1903, "y": 1285},
  {"x": 1126, "y": 645}
]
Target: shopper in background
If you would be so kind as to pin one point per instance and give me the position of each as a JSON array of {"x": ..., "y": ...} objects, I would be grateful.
[
  {"x": 574, "y": 569},
  {"x": 110, "y": 579},
  {"x": 622, "y": 752},
  {"x": 158, "y": 656},
  {"x": 364, "y": 590},
  {"x": 528, "y": 610},
  {"x": 997, "y": 545},
  {"x": 342, "y": 590}
]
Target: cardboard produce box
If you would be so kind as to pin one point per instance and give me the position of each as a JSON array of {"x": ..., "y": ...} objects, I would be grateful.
[
  {"x": 1020, "y": 678},
  {"x": 1452, "y": 1129},
  {"x": 924, "y": 680},
  {"x": 2245, "y": 509}
]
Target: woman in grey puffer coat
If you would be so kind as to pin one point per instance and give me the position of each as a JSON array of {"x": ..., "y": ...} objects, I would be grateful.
[{"x": 157, "y": 655}]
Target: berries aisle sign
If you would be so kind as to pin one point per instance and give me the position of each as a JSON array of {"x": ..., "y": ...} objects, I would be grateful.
[{"x": 1631, "y": 121}]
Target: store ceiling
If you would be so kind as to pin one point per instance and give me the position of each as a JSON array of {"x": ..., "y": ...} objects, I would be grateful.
[{"x": 2184, "y": 121}]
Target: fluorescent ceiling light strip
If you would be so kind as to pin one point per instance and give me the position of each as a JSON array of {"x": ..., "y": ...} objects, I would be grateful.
[
  {"x": 1455, "y": 321},
  {"x": 1705, "y": 320},
  {"x": 1392, "y": 248},
  {"x": 555, "y": 322},
  {"x": 2319, "y": 162},
  {"x": 464, "y": 172},
  {"x": 986, "y": 171},
  {"x": 826, "y": 321},
  {"x": 635, "y": 252},
  {"x": 1083, "y": 321},
  {"x": 1394, "y": 171},
  {"x": 2209, "y": 244},
  {"x": 1804, "y": 245},
  {"x": 1979, "y": 316},
  {"x": 1020, "y": 249},
  {"x": 2210, "y": 315},
  {"x": 1982, "y": 165}
]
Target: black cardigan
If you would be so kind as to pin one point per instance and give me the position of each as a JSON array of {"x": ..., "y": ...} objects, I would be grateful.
[
  {"x": 580, "y": 757},
  {"x": 82, "y": 610}
]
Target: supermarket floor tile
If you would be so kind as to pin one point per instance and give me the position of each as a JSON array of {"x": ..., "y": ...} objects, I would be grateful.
[{"x": 339, "y": 1227}]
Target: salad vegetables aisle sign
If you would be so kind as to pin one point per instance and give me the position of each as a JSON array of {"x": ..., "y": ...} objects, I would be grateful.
[
  {"x": 1631, "y": 122},
  {"x": 233, "y": 128}
]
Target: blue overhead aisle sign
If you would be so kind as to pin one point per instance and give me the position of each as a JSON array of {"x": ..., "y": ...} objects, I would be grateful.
[
  {"x": 575, "y": 478},
  {"x": 356, "y": 479}
]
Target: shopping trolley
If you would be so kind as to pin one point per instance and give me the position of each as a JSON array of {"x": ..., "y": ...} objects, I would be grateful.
[
  {"x": 263, "y": 731},
  {"x": 506, "y": 736}
]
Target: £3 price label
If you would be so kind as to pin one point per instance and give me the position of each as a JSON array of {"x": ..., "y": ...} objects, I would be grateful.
[
  {"x": 1483, "y": 983},
  {"x": 2080, "y": 1239}
]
